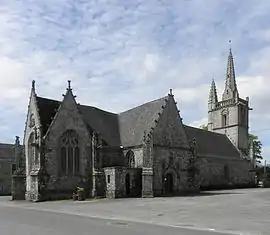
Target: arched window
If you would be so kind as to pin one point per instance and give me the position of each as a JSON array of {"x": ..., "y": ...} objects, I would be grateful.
[
  {"x": 31, "y": 153},
  {"x": 70, "y": 153},
  {"x": 131, "y": 158},
  {"x": 225, "y": 118}
]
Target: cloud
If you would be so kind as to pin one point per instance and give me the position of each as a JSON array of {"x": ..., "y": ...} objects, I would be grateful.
[{"x": 130, "y": 52}]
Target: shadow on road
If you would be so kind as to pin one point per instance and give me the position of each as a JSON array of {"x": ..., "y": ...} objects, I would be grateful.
[{"x": 201, "y": 194}]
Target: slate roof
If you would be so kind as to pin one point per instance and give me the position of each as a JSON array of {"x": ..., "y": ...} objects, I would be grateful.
[
  {"x": 103, "y": 122},
  {"x": 135, "y": 121},
  {"x": 127, "y": 128},
  {"x": 211, "y": 143},
  {"x": 47, "y": 110},
  {"x": 7, "y": 151}
]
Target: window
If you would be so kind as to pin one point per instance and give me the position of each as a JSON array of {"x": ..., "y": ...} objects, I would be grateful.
[
  {"x": 70, "y": 153},
  {"x": 32, "y": 152},
  {"x": 13, "y": 168},
  {"x": 224, "y": 120},
  {"x": 108, "y": 179},
  {"x": 130, "y": 158}
]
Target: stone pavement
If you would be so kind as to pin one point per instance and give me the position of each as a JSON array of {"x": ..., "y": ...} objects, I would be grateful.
[{"x": 244, "y": 211}]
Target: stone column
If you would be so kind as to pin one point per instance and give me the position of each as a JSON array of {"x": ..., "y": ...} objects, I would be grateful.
[
  {"x": 147, "y": 182},
  {"x": 147, "y": 171},
  {"x": 98, "y": 177}
]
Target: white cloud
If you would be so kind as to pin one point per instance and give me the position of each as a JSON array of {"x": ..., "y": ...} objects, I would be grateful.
[{"x": 131, "y": 52}]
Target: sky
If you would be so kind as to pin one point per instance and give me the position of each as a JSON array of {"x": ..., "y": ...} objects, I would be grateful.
[{"x": 119, "y": 54}]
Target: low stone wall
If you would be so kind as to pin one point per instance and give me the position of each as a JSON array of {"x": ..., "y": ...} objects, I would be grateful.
[
  {"x": 18, "y": 187},
  {"x": 218, "y": 173}
]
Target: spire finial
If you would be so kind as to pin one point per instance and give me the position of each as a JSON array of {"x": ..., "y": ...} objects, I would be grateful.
[
  {"x": 17, "y": 140},
  {"x": 170, "y": 91},
  {"x": 230, "y": 43},
  {"x": 33, "y": 84},
  {"x": 69, "y": 86}
]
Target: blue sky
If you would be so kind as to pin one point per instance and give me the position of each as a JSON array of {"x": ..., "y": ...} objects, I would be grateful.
[{"x": 119, "y": 54}]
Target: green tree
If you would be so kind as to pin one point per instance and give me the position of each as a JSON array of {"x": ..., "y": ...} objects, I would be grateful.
[
  {"x": 257, "y": 147},
  {"x": 257, "y": 144},
  {"x": 204, "y": 127}
]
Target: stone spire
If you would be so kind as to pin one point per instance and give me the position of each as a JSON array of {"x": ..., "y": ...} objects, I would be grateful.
[
  {"x": 230, "y": 90},
  {"x": 213, "y": 99}
]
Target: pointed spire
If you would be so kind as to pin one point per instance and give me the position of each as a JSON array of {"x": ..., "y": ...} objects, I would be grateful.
[
  {"x": 213, "y": 93},
  {"x": 230, "y": 84}
]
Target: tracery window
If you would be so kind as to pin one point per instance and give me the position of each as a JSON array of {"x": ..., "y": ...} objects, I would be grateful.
[
  {"x": 130, "y": 158},
  {"x": 70, "y": 153},
  {"x": 32, "y": 153}
]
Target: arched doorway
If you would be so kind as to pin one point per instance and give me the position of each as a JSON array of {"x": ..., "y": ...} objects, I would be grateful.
[
  {"x": 168, "y": 183},
  {"x": 127, "y": 184}
]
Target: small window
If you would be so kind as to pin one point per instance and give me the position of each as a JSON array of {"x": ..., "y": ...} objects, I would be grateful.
[
  {"x": 224, "y": 120},
  {"x": 108, "y": 179},
  {"x": 13, "y": 168}
]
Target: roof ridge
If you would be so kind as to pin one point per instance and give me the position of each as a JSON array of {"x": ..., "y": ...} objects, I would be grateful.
[
  {"x": 164, "y": 97},
  {"x": 6, "y": 144},
  {"x": 197, "y": 128},
  {"x": 47, "y": 98},
  {"x": 88, "y": 106}
]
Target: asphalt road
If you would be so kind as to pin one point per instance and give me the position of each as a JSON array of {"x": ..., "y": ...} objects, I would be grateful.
[{"x": 23, "y": 221}]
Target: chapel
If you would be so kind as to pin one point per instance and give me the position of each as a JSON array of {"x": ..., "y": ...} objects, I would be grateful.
[{"x": 146, "y": 151}]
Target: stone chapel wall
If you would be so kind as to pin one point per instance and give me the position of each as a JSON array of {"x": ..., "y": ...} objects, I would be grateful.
[
  {"x": 67, "y": 118},
  {"x": 218, "y": 173}
]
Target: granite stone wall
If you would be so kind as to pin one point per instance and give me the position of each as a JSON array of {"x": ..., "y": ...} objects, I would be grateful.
[
  {"x": 67, "y": 118},
  {"x": 217, "y": 173},
  {"x": 119, "y": 178}
]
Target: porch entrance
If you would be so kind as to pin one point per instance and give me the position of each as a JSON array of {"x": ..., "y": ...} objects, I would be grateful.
[{"x": 168, "y": 183}]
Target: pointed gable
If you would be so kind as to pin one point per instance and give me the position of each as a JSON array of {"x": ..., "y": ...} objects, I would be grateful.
[{"x": 134, "y": 122}]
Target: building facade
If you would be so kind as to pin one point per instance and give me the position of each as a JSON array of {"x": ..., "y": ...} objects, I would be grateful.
[
  {"x": 145, "y": 151},
  {"x": 7, "y": 167}
]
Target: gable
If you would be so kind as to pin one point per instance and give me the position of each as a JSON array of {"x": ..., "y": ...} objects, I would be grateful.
[
  {"x": 211, "y": 143},
  {"x": 67, "y": 116},
  {"x": 169, "y": 130},
  {"x": 134, "y": 122}
]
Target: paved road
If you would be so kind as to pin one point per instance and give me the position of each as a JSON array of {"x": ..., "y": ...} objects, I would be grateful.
[
  {"x": 244, "y": 210},
  {"x": 25, "y": 221}
]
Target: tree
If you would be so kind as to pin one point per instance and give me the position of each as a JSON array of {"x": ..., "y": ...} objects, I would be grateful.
[
  {"x": 256, "y": 147},
  {"x": 257, "y": 144},
  {"x": 204, "y": 127}
]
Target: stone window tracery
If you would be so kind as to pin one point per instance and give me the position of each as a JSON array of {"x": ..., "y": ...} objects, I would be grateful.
[
  {"x": 32, "y": 152},
  {"x": 32, "y": 120},
  {"x": 131, "y": 158},
  {"x": 70, "y": 153}
]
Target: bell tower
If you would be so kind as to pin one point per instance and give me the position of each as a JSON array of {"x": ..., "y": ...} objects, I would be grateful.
[{"x": 230, "y": 116}]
